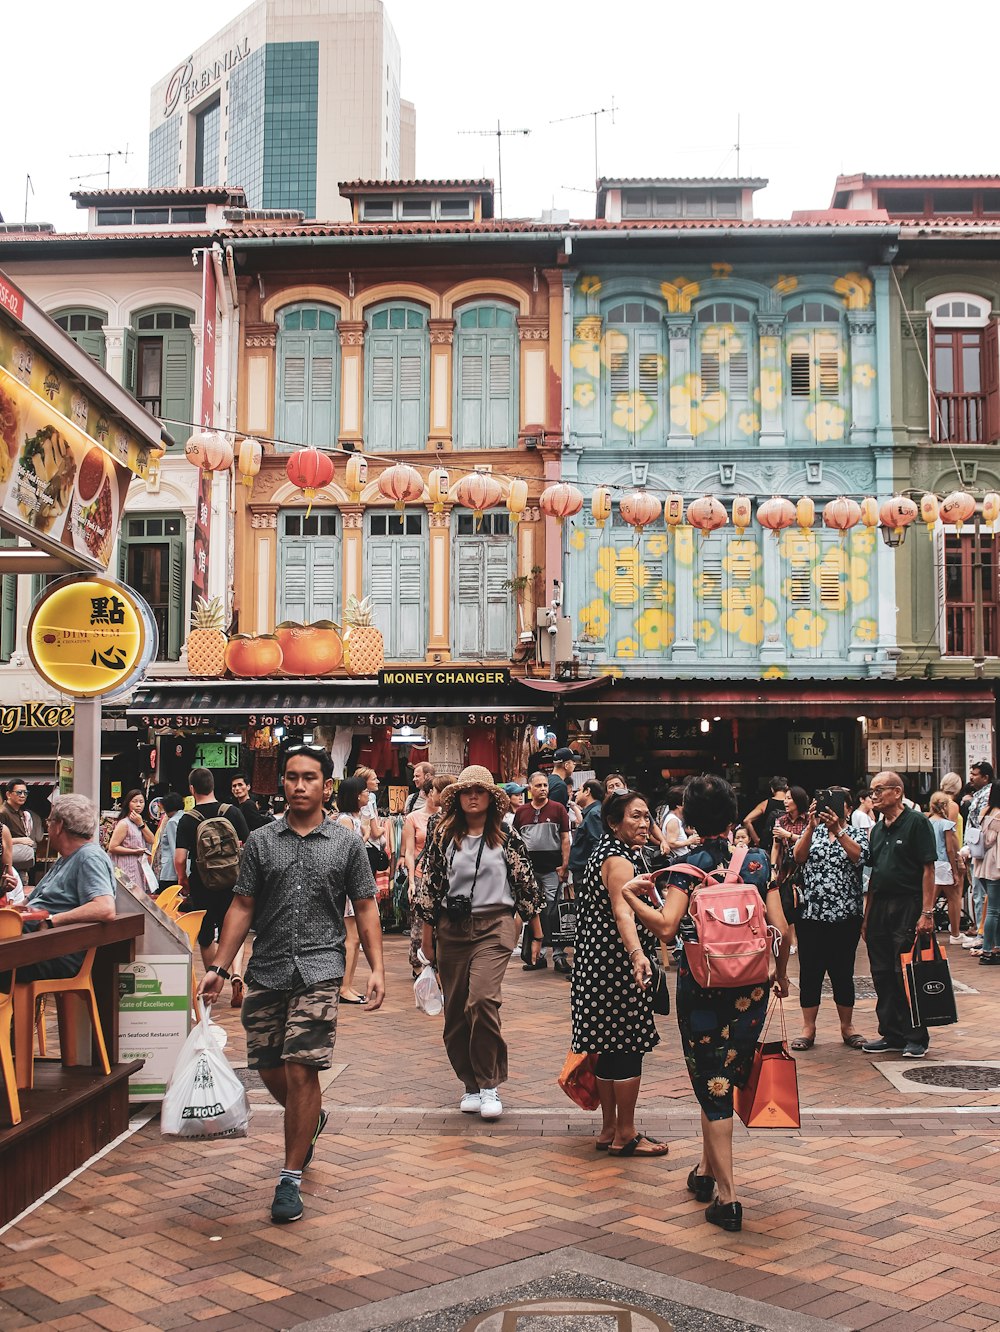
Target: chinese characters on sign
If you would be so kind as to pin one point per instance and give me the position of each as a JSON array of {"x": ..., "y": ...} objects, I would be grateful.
[{"x": 90, "y": 636}]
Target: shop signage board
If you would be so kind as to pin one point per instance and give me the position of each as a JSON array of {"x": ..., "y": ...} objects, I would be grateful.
[
  {"x": 154, "y": 1008},
  {"x": 802, "y": 749},
  {"x": 36, "y": 716},
  {"x": 90, "y": 637},
  {"x": 445, "y": 677},
  {"x": 217, "y": 756},
  {"x": 206, "y": 415},
  {"x": 978, "y": 741},
  {"x": 65, "y": 776}
]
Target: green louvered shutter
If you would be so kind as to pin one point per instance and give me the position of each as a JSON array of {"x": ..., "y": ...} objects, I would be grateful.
[
  {"x": 293, "y": 579},
  {"x": 177, "y": 394},
  {"x": 410, "y": 430},
  {"x": 292, "y": 379},
  {"x": 471, "y": 388},
  {"x": 381, "y": 392},
  {"x": 411, "y": 579},
  {"x": 470, "y": 608},
  {"x": 8, "y": 607},
  {"x": 130, "y": 361},
  {"x": 500, "y": 405},
  {"x": 307, "y": 367},
  {"x": 175, "y": 618}
]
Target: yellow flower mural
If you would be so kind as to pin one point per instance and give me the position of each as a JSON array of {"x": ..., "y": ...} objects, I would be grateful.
[
  {"x": 842, "y": 578},
  {"x": 578, "y": 539},
  {"x": 583, "y": 394},
  {"x": 794, "y": 544},
  {"x": 826, "y": 421},
  {"x": 748, "y": 422},
  {"x": 862, "y": 541},
  {"x": 595, "y": 619},
  {"x": 805, "y": 629},
  {"x": 614, "y": 345},
  {"x": 632, "y": 411},
  {"x": 856, "y": 290},
  {"x": 627, "y": 647},
  {"x": 622, "y": 574},
  {"x": 679, "y": 294},
  {"x": 688, "y": 408},
  {"x": 656, "y": 629},
  {"x": 742, "y": 558},
  {"x": 703, "y": 631},
  {"x": 684, "y": 544},
  {"x": 661, "y": 593},
  {"x": 588, "y": 329},
  {"x": 615, "y": 672},
  {"x": 721, "y": 270},
  {"x": 745, "y": 612},
  {"x": 586, "y": 356},
  {"x": 705, "y": 585},
  {"x": 864, "y": 375},
  {"x": 774, "y": 673},
  {"x": 785, "y": 284},
  {"x": 770, "y": 390},
  {"x": 866, "y": 630},
  {"x": 656, "y": 545},
  {"x": 721, "y": 340},
  {"x": 590, "y": 286}
]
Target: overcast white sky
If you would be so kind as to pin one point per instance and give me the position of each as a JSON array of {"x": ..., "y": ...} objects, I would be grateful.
[{"x": 865, "y": 85}]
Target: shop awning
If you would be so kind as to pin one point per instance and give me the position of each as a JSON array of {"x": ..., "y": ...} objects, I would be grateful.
[{"x": 786, "y": 699}]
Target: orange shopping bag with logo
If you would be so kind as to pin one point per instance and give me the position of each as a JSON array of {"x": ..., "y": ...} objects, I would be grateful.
[
  {"x": 579, "y": 1081},
  {"x": 771, "y": 1097}
]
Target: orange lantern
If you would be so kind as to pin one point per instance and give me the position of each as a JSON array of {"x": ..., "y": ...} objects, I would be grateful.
[
  {"x": 356, "y": 476},
  {"x": 991, "y": 508},
  {"x": 402, "y": 484},
  {"x": 517, "y": 499},
  {"x": 673, "y": 510},
  {"x": 841, "y": 514},
  {"x": 560, "y": 501},
  {"x": 898, "y": 512},
  {"x": 869, "y": 511},
  {"x": 310, "y": 470},
  {"x": 210, "y": 450},
  {"x": 957, "y": 508},
  {"x": 437, "y": 487},
  {"x": 742, "y": 513},
  {"x": 929, "y": 512},
  {"x": 600, "y": 505},
  {"x": 479, "y": 491},
  {"x": 805, "y": 514},
  {"x": 248, "y": 460},
  {"x": 776, "y": 514},
  {"x": 707, "y": 514},
  {"x": 639, "y": 508}
]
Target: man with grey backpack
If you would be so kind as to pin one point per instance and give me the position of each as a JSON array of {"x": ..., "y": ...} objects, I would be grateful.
[{"x": 207, "y": 861}]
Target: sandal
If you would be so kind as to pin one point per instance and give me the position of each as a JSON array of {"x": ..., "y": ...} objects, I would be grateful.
[
  {"x": 803, "y": 1042},
  {"x": 239, "y": 989},
  {"x": 632, "y": 1148},
  {"x": 351, "y": 999},
  {"x": 602, "y": 1146},
  {"x": 855, "y": 1042}
]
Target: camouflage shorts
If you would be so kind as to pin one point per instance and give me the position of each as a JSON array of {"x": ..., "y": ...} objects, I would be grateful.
[{"x": 299, "y": 1025}]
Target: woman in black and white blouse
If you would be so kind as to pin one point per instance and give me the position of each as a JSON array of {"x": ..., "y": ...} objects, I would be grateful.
[{"x": 830, "y": 911}]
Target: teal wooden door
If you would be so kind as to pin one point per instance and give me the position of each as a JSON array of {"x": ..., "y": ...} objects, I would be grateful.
[
  {"x": 308, "y": 568},
  {"x": 482, "y": 607},
  {"x": 307, "y": 377},
  {"x": 397, "y": 393},
  {"x": 486, "y": 379},
  {"x": 396, "y": 582}
]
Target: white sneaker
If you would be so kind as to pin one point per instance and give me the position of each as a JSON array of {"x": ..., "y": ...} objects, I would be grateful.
[
  {"x": 964, "y": 939},
  {"x": 470, "y": 1103},
  {"x": 490, "y": 1107},
  {"x": 972, "y": 941}
]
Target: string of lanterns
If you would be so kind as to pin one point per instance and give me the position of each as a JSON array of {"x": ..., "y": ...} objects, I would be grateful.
[{"x": 310, "y": 469}]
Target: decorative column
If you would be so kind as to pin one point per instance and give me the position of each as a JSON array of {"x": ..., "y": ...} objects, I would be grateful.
[
  {"x": 883, "y": 384},
  {"x": 256, "y": 388},
  {"x": 351, "y": 333},
  {"x": 534, "y": 349},
  {"x": 527, "y": 537},
  {"x": 863, "y": 355},
  {"x": 352, "y": 567},
  {"x": 442, "y": 335},
  {"x": 439, "y": 571},
  {"x": 684, "y": 648},
  {"x": 770, "y": 336},
  {"x": 264, "y": 536},
  {"x": 114, "y": 352},
  {"x": 679, "y": 367},
  {"x": 557, "y": 353},
  {"x": 774, "y": 649}
]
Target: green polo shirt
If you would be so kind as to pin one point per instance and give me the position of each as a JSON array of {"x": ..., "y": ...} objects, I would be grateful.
[{"x": 898, "y": 853}]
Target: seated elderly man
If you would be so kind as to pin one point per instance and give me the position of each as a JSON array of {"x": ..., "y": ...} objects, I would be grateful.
[{"x": 79, "y": 889}]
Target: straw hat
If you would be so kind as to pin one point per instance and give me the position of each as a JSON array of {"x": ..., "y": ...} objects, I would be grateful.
[{"x": 475, "y": 776}]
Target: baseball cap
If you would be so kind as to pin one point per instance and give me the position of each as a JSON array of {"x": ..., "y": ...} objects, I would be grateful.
[
  {"x": 562, "y": 755},
  {"x": 514, "y": 788}
]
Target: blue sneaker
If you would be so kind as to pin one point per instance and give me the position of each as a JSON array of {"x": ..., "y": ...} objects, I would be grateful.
[
  {"x": 914, "y": 1050},
  {"x": 883, "y": 1046},
  {"x": 287, "y": 1205}
]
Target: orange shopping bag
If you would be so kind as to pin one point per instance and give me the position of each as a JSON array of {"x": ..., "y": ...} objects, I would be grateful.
[
  {"x": 579, "y": 1081},
  {"x": 771, "y": 1097}
]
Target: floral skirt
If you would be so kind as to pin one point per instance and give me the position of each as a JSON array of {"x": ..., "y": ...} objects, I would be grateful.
[{"x": 720, "y": 1029}]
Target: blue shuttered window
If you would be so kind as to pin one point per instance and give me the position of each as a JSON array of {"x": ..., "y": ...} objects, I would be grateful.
[
  {"x": 308, "y": 567},
  {"x": 816, "y": 380},
  {"x": 486, "y": 378},
  {"x": 724, "y": 343},
  {"x": 307, "y": 373},
  {"x": 482, "y": 606},
  {"x": 634, "y": 374},
  {"x": 396, "y": 581},
  {"x": 396, "y": 375}
]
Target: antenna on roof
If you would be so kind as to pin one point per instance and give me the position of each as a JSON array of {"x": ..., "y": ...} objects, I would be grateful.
[
  {"x": 107, "y": 155},
  {"x": 500, "y": 133},
  {"x": 736, "y": 145},
  {"x": 582, "y": 115}
]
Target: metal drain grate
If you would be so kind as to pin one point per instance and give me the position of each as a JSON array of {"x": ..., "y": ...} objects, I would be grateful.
[{"x": 964, "y": 1077}]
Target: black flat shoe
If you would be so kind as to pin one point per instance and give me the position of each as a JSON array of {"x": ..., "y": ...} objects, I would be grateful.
[
  {"x": 728, "y": 1216},
  {"x": 702, "y": 1186}
]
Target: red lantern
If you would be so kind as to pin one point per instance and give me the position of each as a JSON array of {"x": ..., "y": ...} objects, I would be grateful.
[
  {"x": 209, "y": 450},
  {"x": 805, "y": 514},
  {"x": 869, "y": 511},
  {"x": 707, "y": 514},
  {"x": 479, "y": 491},
  {"x": 957, "y": 508},
  {"x": 897, "y": 512},
  {"x": 639, "y": 509},
  {"x": 310, "y": 470},
  {"x": 600, "y": 505},
  {"x": 560, "y": 501},
  {"x": 402, "y": 484},
  {"x": 776, "y": 514},
  {"x": 841, "y": 514},
  {"x": 742, "y": 513}
]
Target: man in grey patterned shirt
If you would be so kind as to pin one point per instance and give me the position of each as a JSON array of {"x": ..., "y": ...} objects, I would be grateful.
[{"x": 295, "y": 876}]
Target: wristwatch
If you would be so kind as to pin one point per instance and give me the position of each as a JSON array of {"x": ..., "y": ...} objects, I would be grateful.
[{"x": 221, "y": 971}]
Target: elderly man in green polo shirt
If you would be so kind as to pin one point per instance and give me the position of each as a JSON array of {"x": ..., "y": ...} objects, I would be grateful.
[{"x": 899, "y": 905}]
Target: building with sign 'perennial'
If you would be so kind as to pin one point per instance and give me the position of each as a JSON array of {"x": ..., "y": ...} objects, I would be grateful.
[{"x": 277, "y": 91}]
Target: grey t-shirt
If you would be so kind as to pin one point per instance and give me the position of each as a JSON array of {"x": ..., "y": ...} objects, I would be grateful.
[{"x": 492, "y": 891}]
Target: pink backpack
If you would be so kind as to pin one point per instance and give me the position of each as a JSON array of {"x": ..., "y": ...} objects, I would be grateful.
[{"x": 733, "y": 934}]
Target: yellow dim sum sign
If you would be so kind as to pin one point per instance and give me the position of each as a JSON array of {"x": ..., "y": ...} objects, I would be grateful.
[{"x": 91, "y": 637}]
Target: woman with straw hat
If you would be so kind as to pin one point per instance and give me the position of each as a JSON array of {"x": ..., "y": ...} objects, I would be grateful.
[{"x": 477, "y": 879}]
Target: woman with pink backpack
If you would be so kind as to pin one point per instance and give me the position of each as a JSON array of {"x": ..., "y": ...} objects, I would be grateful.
[{"x": 723, "y": 975}]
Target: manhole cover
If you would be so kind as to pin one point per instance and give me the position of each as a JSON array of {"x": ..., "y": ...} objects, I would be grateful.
[{"x": 966, "y": 1077}]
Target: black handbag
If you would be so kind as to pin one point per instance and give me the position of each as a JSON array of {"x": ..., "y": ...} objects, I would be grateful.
[
  {"x": 377, "y": 858},
  {"x": 927, "y": 982},
  {"x": 659, "y": 986}
]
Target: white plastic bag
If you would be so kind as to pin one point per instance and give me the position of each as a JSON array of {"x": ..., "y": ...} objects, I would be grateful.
[
  {"x": 205, "y": 1098},
  {"x": 427, "y": 992}
]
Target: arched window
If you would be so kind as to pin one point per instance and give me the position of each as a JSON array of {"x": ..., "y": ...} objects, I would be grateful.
[
  {"x": 396, "y": 353},
  {"x": 817, "y": 380},
  {"x": 306, "y": 397},
  {"x": 724, "y": 342},
  {"x": 159, "y": 366},
  {"x": 486, "y": 377},
  {"x": 964, "y": 369},
  {"x": 86, "y": 328},
  {"x": 635, "y": 373}
]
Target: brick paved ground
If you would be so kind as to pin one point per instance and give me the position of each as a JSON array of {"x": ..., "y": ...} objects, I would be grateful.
[{"x": 872, "y": 1219}]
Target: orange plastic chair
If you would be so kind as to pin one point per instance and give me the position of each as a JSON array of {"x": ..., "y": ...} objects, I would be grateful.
[
  {"x": 170, "y": 900},
  {"x": 190, "y": 923},
  {"x": 26, "y": 996},
  {"x": 10, "y": 928}
]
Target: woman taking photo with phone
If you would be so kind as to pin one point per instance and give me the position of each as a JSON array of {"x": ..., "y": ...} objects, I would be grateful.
[{"x": 719, "y": 1026}]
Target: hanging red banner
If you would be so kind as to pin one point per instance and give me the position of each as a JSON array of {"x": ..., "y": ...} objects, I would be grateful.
[{"x": 206, "y": 417}]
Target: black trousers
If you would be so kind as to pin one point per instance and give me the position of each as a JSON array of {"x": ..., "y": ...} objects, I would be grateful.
[
  {"x": 827, "y": 950},
  {"x": 892, "y": 925}
]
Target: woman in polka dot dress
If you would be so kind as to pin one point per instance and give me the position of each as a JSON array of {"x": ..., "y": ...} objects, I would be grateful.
[{"x": 611, "y": 1001}]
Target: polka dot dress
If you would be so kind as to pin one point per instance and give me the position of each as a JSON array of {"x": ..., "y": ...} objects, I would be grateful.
[{"x": 609, "y": 1010}]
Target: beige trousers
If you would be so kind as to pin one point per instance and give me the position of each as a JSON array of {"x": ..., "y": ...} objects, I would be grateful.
[{"x": 472, "y": 959}]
